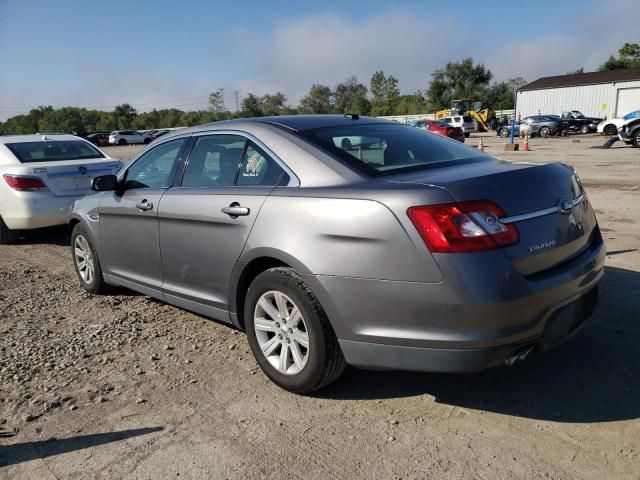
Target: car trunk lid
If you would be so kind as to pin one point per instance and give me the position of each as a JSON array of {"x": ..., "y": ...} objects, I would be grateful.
[
  {"x": 530, "y": 195},
  {"x": 72, "y": 177}
]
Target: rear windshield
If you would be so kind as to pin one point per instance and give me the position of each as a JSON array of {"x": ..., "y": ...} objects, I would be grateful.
[
  {"x": 468, "y": 118},
  {"x": 28, "y": 152},
  {"x": 385, "y": 149}
]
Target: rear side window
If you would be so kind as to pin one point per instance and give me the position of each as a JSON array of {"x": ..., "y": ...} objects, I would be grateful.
[
  {"x": 258, "y": 169},
  {"x": 214, "y": 161},
  {"x": 387, "y": 148},
  {"x": 52, "y": 151}
]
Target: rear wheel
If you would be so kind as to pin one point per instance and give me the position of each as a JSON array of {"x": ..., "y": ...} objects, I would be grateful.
[
  {"x": 584, "y": 129},
  {"x": 636, "y": 139},
  {"x": 147, "y": 141},
  {"x": 7, "y": 235},
  {"x": 289, "y": 333},
  {"x": 610, "y": 129},
  {"x": 86, "y": 262}
]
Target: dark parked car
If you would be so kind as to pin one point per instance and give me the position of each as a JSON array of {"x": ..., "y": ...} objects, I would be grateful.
[
  {"x": 541, "y": 125},
  {"x": 630, "y": 133},
  {"x": 441, "y": 128},
  {"x": 577, "y": 122},
  {"x": 99, "y": 139},
  {"x": 335, "y": 240}
]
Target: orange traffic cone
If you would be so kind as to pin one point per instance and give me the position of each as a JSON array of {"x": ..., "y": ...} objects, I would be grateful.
[
  {"x": 481, "y": 145},
  {"x": 525, "y": 146}
]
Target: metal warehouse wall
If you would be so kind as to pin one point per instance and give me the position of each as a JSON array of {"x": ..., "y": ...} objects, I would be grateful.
[{"x": 588, "y": 99}]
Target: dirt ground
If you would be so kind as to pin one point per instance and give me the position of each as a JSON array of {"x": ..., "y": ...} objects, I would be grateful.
[{"x": 124, "y": 387}]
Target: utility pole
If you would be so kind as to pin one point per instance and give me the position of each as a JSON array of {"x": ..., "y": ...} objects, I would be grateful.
[{"x": 236, "y": 95}]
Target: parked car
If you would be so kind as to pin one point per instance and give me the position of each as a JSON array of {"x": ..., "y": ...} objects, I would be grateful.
[
  {"x": 540, "y": 125},
  {"x": 442, "y": 129},
  {"x": 577, "y": 122},
  {"x": 417, "y": 253},
  {"x": 99, "y": 139},
  {"x": 41, "y": 177},
  {"x": 630, "y": 133},
  {"x": 610, "y": 127},
  {"x": 465, "y": 122},
  {"x": 125, "y": 137}
]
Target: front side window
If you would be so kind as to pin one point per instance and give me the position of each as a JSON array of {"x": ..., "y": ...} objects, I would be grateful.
[
  {"x": 258, "y": 169},
  {"x": 386, "y": 148},
  {"x": 51, "y": 151},
  {"x": 154, "y": 169},
  {"x": 214, "y": 161}
]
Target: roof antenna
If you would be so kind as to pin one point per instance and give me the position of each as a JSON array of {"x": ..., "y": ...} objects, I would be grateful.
[{"x": 352, "y": 116}]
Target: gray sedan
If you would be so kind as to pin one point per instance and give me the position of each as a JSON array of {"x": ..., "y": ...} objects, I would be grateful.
[
  {"x": 540, "y": 125},
  {"x": 398, "y": 249}
]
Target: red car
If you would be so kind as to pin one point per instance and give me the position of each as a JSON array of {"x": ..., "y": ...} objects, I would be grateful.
[{"x": 441, "y": 128}]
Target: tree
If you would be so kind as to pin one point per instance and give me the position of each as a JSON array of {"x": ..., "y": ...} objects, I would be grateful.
[
  {"x": 410, "y": 104},
  {"x": 216, "y": 101},
  {"x": 350, "y": 96},
  {"x": 273, "y": 104},
  {"x": 251, "y": 106},
  {"x": 318, "y": 100},
  {"x": 124, "y": 115},
  {"x": 500, "y": 95},
  {"x": 576, "y": 72},
  {"x": 384, "y": 93},
  {"x": 458, "y": 80},
  {"x": 628, "y": 57}
]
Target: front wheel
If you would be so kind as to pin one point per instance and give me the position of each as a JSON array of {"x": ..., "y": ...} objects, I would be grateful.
[
  {"x": 610, "y": 130},
  {"x": 467, "y": 134},
  {"x": 545, "y": 131},
  {"x": 122, "y": 141},
  {"x": 636, "y": 139},
  {"x": 504, "y": 133},
  {"x": 86, "y": 262},
  {"x": 289, "y": 333}
]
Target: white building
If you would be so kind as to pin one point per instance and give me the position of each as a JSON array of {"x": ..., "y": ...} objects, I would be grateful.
[{"x": 613, "y": 93}]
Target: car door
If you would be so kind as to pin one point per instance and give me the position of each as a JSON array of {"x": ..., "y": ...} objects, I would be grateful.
[
  {"x": 206, "y": 219},
  {"x": 129, "y": 218}
]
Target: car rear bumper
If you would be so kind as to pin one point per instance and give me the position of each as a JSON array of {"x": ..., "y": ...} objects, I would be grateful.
[
  {"x": 30, "y": 210},
  {"x": 472, "y": 320},
  {"x": 562, "y": 325}
]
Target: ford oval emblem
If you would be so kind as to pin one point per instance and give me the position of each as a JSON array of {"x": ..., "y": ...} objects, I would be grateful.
[
  {"x": 82, "y": 170},
  {"x": 565, "y": 206}
]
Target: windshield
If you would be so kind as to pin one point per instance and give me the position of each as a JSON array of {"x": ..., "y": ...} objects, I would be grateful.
[
  {"x": 384, "y": 149},
  {"x": 632, "y": 115},
  {"x": 28, "y": 152}
]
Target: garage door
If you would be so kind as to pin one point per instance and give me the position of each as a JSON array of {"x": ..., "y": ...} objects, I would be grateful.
[{"x": 628, "y": 101}]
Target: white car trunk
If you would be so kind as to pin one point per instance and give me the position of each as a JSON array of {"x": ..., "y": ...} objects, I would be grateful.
[{"x": 72, "y": 177}]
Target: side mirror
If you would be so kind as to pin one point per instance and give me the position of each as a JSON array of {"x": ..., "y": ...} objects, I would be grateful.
[{"x": 104, "y": 183}]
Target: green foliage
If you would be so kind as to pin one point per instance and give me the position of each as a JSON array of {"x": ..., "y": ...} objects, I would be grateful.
[
  {"x": 458, "y": 80},
  {"x": 628, "y": 57},
  {"x": 410, "y": 104},
  {"x": 350, "y": 96},
  {"x": 318, "y": 100},
  {"x": 384, "y": 93},
  {"x": 500, "y": 95},
  {"x": 216, "y": 101}
]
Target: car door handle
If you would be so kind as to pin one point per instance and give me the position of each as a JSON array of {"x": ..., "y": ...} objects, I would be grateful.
[
  {"x": 144, "y": 205},
  {"x": 235, "y": 210}
]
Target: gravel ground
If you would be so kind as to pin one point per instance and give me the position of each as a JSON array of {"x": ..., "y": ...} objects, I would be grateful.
[{"x": 125, "y": 387}]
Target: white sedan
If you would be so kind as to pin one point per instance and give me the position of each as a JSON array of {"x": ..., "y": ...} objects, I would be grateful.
[
  {"x": 42, "y": 175},
  {"x": 610, "y": 127},
  {"x": 126, "y": 137}
]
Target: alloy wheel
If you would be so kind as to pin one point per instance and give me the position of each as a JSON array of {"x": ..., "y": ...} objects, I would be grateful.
[
  {"x": 281, "y": 332},
  {"x": 84, "y": 259}
]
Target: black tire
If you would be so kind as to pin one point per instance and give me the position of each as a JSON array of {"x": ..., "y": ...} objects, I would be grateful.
[
  {"x": 584, "y": 129},
  {"x": 97, "y": 285},
  {"x": 467, "y": 134},
  {"x": 325, "y": 362},
  {"x": 545, "y": 132},
  {"x": 503, "y": 132},
  {"x": 122, "y": 141},
  {"x": 636, "y": 139},
  {"x": 610, "y": 129},
  {"x": 147, "y": 141},
  {"x": 7, "y": 235}
]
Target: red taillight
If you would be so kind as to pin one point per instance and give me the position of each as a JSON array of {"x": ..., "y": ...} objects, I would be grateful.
[
  {"x": 463, "y": 227},
  {"x": 24, "y": 183}
]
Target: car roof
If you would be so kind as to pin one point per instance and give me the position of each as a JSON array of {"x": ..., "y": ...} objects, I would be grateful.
[
  {"x": 37, "y": 137},
  {"x": 300, "y": 123}
]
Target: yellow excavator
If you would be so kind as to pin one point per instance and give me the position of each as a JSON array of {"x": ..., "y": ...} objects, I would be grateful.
[{"x": 483, "y": 115}]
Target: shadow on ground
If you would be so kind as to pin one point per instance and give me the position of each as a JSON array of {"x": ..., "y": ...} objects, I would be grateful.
[
  {"x": 53, "y": 236},
  {"x": 23, "y": 452},
  {"x": 594, "y": 377}
]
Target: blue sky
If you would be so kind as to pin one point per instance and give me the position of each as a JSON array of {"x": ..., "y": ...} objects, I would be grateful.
[{"x": 167, "y": 53}]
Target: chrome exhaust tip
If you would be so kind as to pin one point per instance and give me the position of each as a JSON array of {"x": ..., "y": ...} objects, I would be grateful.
[{"x": 519, "y": 355}]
